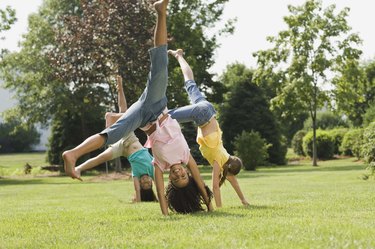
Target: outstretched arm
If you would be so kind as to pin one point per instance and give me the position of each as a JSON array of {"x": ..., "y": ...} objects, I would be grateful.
[
  {"x": 111, "y": 117},
  {"x": 159, "y": 182},
  {"x": 233, "y": 181},
  {"x": 122, "y": 105},
  {"x": 215, "y": 183},
  {"x": 137, "y": 188},
  {"x": 193, "y": 167}
]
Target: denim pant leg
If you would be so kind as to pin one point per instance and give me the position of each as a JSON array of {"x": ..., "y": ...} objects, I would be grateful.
[
  {"x": 128, "y": 122},
  {"x": 154, "y": 97},
  {"x": 192, "y": 90},
  {"x": 151, "y": 103},
  {"x": 200, "y": 111}
]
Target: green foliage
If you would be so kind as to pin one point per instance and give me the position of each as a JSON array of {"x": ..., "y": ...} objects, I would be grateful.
[
  {"x": 246, "y": 109},
  {"x": 337, "y": 136},
  {"x": 315, "y": 43},
  {"x": 326, "y": 120},
  {"x": 297, "y": 142},
  {"x": 67, "y": 131},
  {"x": 70, "y": 53},
  {"x": 352, "y": 143},
  {"x": 28, "y": 73},
  {"x": 7, "y": 18},
  {"x": 355, "y": 91},
  {"x": 324, "y": 143},
  {"x": 369, "y": 116},
  {"x": 194, "y": 26},
  {"x": 368, "y": 146},
  {"x": 16, "y": 136},
  {"x": 252, "y": 149}
]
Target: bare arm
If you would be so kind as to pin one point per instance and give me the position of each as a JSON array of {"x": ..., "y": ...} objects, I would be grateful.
[
  {"x": 159, "y": 182},
  {"x": 193, "y": 167},
  {"x": 121, "y": 95},
  {"x": 112, "y": 117},
  {"x": 233, "y": 181},
  {"x": 137, "y": 188},
  {"x": 215, "y": 184}
]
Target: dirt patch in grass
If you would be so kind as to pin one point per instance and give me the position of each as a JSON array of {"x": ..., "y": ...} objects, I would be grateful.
[{"x": 111, "y": 177}]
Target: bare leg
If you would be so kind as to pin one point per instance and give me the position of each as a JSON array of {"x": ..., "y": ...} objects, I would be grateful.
[
  {"x": 70, "y": 156},
  {"x": 93, "y": 162},
  {"x": 160, "y": 35},
  {"x": 185, "y": 68}
]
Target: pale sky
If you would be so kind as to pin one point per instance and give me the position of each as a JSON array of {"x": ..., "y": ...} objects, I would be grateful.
[{"x": 256, "y": 20}]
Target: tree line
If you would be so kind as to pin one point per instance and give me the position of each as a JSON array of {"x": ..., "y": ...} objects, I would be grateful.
[{"x": 63, "y": 76}]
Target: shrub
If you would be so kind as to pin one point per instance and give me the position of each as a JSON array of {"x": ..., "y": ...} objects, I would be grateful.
[
  {"x": 368, "y": 145},
  {"x": 337, "y": 137},
  {"x": 352, "y": 143},
  {"x": 324, "y": 144},
  {"x": 297, "y": 142},
  {"x": 251, "y": 148}
]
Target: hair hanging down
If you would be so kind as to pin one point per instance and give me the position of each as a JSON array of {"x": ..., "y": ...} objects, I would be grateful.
[
  {"x": 188, "y": 199},
  {"x": 148, "y": 195},
  {"x": 232, "y": 166}
]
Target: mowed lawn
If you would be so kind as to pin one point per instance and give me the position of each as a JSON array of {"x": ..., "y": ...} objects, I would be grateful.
[{"x": 329, "y": 206}]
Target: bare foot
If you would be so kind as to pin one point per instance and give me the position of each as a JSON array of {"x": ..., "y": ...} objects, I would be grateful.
[
  {"x": 69, "y": 163},
  {"x": 161, "y": 6},
  {"x": 77, "y": 171},
  {"x": 176, "y": 53}
]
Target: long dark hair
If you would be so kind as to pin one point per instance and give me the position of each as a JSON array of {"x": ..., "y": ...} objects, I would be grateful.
[
  {"x": 187, "y": 199},
  {"x": 148, "y": 195}
]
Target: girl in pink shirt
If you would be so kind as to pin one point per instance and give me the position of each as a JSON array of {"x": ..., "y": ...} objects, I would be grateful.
[{"x": 186, "y": 192}]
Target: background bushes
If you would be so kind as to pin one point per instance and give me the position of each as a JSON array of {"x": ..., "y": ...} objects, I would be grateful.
[
  {"x": 352, "y": 143},
  {"x": 324, "y": 144},
  {"x": 252, "y": 149},
  {"x": 337, "y": 136},
  {"x": 368, "y": 146}
]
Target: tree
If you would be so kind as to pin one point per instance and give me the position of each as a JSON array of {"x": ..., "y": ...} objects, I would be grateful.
[
  {"x": 73, "y": 48},
  {"x": 246, "y": 108},
  {"x": 28, "y": 73},
  {"x": 355, "y": 90},
  {"x": 188, "y": 25},
  {"x": 316, "y": 43},
  {"x": 15, "y": 135},
  {"x": 7, "y": 18}
]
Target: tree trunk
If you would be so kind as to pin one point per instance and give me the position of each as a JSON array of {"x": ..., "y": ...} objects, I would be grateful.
[{"x": 315, "y": 163}]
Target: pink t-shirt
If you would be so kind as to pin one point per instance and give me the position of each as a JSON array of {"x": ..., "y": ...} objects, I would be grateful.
[{"x": 168, "y": 144}]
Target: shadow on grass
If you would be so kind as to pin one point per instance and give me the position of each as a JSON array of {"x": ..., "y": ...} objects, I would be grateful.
[
  {"x": 30, "y": 181},
  {"x": 9, "y": 181}
]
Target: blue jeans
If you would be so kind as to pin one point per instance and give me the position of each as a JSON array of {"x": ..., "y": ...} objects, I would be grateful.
[
  {"x": 150, "y": 104},
  {"x": 200, "y": 110}
]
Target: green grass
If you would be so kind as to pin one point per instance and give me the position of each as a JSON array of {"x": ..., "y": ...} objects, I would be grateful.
[
  {"x": 12, "y": 164},
  {"x": 291, "y": 207}
]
